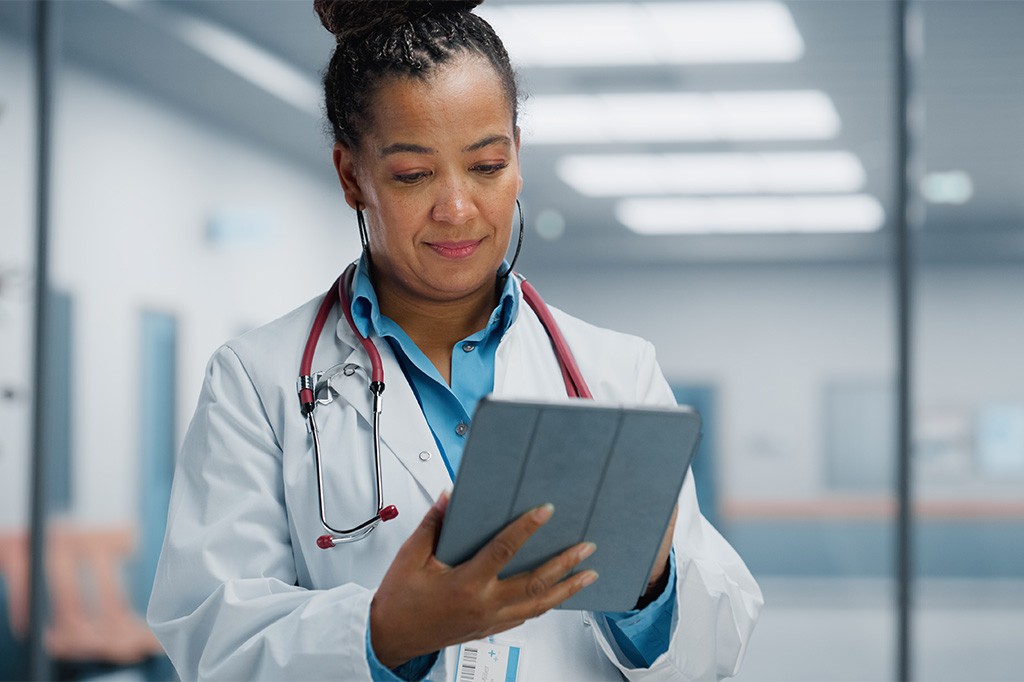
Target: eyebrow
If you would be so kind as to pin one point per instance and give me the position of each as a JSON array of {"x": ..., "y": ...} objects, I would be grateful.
[
  {"x": 400, "y": 147},
  {"x": 488, "y": 141},
  {"x": 407, "y": 147}
]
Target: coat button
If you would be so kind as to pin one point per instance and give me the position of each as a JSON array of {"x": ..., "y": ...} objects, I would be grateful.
[
  {"x": 461, "y": 429},
  {"x": 424, "y": 456},
  {"x": 469, "y": 347}
]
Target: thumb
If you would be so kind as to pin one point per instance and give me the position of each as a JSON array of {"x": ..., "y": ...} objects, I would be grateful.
[{"x": 423, "y": 540}]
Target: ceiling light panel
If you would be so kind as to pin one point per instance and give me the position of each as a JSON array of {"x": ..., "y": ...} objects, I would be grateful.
[
  {"x": 750, "y": 215},
  {"x": 234, "y": 52},
  {"x": 680, "y": 117},
  {"x": 618, "y": 33},
  {"x": 723, "y": 32},
  {"x": 598, "y": 175}
]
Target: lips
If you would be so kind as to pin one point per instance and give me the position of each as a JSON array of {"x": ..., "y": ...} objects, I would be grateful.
[{"x": 455, "y": 249}]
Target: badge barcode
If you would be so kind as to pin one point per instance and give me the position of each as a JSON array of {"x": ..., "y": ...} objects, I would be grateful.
[{"x": 467, "y": 672}]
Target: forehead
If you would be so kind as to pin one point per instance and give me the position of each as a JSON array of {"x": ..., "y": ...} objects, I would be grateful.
[{"x": 457, "y": 104}]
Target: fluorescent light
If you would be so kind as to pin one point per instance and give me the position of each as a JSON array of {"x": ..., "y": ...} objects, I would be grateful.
[
  {"x": 951, "y": 187},
  {"x": 571, "y": 35},
  {"x": 235, "y": 53},
  {"x": 252, "y": 63},
  {"x": 739, "y": 215},
  {"x": 619, "y": 33},
  {"x": 680, "y": 117},
  {"x": 597, "y": 175},
  {"x": 724, "y": 32},
  {"x": 792, "y": 115}
]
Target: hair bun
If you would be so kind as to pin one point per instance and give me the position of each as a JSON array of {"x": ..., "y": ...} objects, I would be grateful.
[{"x": 354, "y": 19}]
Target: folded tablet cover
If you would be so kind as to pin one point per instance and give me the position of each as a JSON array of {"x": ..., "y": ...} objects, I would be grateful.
[{"x": 613, "y": 474}]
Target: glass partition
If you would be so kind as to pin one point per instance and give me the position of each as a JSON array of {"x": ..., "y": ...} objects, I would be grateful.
[
  {"x": 779, "y": 328},
  {"x": 172, "y": 229},
  {"x": 968, "y": 418},
  {"x": 17, "y": 184}
]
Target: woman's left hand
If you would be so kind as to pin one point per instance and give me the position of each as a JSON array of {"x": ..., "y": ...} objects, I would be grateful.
[{"x": 659, "y": 574}]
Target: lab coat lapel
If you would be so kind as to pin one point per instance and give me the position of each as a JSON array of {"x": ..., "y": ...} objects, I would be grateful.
[
  {"x": 403, "y": 428},
  {"x": 525, "y": 364}
]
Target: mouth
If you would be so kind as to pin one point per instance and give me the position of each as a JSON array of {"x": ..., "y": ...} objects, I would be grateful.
[{"x": 455, "y": 249}]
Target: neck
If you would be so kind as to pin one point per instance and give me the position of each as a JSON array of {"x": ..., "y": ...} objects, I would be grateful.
[{"x": 436, "y": 326}]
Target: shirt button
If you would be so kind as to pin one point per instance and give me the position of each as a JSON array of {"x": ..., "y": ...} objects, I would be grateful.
[
  {"x": 424, "y": 456},
  {"x": 469, "y": 347},
  {"x": 461, "y": 429}
]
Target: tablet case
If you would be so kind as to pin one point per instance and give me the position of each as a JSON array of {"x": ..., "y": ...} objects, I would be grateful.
[{"x": 613, "y": 473}]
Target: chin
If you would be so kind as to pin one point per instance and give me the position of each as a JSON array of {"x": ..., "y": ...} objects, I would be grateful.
[{"x": 461, "y": 280}]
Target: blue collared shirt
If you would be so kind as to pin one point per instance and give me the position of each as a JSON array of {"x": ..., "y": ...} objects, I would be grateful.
[
  {"x": 642, "y": 635},
  {"x": 448, "y": 409}
]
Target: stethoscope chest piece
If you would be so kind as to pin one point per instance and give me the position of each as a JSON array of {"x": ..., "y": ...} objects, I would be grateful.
[{"x": 324, "y": 390}]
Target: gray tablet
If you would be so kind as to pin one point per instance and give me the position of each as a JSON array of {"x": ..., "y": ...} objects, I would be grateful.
[{"x": 613, "y": 473}]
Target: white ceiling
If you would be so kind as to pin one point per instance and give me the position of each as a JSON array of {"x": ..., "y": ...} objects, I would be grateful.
[{"x": 971, "y": 81}]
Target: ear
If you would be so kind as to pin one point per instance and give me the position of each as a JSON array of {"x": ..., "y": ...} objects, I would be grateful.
[
  {"x": 345, "y": 165},
  {"x": 517, "y": 138}
]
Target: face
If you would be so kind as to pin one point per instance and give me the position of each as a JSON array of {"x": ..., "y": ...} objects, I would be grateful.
[{"x": 437, "y": 174}]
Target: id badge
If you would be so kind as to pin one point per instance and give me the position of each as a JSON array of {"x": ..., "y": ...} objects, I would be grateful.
[{"x": 493, "y": 659}]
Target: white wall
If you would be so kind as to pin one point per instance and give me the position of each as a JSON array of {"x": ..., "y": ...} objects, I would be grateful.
[
  {"x": 770, "y": 338},
  {"x": 765, "y": 337},
  {"x": 135, "y": 185}
]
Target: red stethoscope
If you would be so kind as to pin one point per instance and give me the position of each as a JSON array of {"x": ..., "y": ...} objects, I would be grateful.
[{"x": 575, "y": 387}]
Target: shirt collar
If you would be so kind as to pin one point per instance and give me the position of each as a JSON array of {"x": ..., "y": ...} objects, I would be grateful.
[{"x": 366, "y": 309}]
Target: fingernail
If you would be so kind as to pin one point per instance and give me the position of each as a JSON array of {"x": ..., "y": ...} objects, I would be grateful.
[
  {"x": 586, "y": 550},
  {"x": 543, "y": 512},
  {"x": 588, "y": 578}
]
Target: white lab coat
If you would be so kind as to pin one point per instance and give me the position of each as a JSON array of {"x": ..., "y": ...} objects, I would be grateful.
[{"x": 243, "y": 592}]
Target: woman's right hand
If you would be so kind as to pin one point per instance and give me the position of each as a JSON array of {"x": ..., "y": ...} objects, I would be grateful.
[{"x": 423, "y": 605}]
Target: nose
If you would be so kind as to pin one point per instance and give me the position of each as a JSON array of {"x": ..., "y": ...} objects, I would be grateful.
[{"x": 454, "y": 204}]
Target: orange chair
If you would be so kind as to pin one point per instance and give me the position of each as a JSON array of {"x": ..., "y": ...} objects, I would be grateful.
[{"x": 91, "y": 617}]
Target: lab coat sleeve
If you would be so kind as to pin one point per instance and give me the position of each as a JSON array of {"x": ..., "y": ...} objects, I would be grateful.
[
  {"x": 225, "y": 604},
  {"x": 717, "y": 599}
]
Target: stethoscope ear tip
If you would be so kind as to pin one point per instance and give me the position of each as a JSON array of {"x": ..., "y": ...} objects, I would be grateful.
[
  {"x": 325, "y": 542},
  {"x": 389, "y": 512}
]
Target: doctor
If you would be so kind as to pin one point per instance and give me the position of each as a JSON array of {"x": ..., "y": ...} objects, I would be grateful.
[{"x": 423, "y": 106}]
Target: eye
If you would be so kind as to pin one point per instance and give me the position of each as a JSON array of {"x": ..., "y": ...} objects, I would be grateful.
[
  {"x": 490, "y": 168},
  {"x": 410, "y": 178}
]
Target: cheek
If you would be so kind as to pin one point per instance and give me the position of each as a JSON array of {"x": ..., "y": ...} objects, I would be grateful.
[
  {"x": 394, "y": 225},
  {"x": 506, "y": 210}
]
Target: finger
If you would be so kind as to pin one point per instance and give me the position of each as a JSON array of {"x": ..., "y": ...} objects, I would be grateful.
[
  {"x": 534, "y": 584},
  {"x": 496, "y": 554},
  {"x": 419, "y": 546},
  {"x": 552, "y": 598}
]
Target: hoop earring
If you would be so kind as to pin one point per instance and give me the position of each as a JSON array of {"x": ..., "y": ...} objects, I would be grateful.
[{"x": 519, "y": 244}]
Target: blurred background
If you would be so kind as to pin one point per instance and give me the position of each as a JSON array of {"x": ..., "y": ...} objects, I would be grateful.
[{"x": 718, "y": 177}]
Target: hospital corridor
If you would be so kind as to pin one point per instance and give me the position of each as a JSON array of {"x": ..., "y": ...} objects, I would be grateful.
[{"x": 812, "y": 210}]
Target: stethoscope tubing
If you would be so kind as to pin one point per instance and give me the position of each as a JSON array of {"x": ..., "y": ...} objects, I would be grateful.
[
  {"x": 575, "y": 387},
  {"x": 338, "y": 293}
]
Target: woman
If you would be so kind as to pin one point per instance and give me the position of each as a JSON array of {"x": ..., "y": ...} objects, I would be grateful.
[{"x": 423, "y": 105}]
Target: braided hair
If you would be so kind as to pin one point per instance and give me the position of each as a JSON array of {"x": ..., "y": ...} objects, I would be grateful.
[{"x": 383, "y": 39}]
